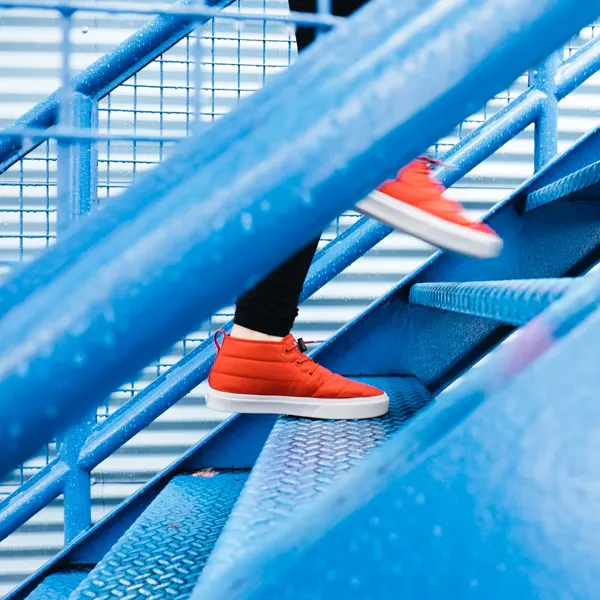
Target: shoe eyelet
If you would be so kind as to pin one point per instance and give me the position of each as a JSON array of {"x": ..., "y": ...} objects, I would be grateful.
[
  {"x": 286, "y": 350},
  {"x": 298, "y": 363},
  {"x": 311, "y": 373}
]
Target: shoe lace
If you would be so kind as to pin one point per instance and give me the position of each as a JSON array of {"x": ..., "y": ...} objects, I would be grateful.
[
  {"x": 219, "y": 332},
  {"x": 300, "y": 347}
]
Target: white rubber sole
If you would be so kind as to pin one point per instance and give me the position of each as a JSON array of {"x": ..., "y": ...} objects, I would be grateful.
[
  {"x": 429, "y": 228},
  {"x": 349, "y": 408}
]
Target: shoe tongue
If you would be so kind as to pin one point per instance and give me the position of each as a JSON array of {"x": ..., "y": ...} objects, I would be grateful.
[{"x": 288, "y": 339}]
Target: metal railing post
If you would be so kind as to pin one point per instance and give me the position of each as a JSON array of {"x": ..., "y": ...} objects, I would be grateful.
[
  {"x": 77, "y": 185},
  {"x": 546, "y": 125}
]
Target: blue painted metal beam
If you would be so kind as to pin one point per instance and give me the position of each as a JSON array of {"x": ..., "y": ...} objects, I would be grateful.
[
  {"x": 546, "y": 126},
  {"x": 137, "y": 289},
  {"x": 105, "y": 74},
  {"x": 77, "y": 189},
  {"x": 32, "y": 496},
  {"x": 578, "y": 67},
  {"x": 77, "y": 164},
  {"x": 514, "y": 302},
  {"x": 580, "y": 185},
  {"x": 469, "y": 499}
]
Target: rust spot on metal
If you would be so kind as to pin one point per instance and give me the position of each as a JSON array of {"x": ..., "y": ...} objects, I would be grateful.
[{"x": 208, "y": 473}]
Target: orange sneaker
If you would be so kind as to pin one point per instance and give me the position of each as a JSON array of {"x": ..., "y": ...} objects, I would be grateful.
[
  {"x": 414, "y": 203},
  {"x": 277, "y": 378}
]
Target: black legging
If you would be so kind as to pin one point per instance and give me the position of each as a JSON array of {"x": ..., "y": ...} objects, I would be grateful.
[{"x": 271, "y": 307}]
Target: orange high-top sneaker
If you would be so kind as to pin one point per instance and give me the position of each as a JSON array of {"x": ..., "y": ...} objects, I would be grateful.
[
  {"x": 276, "y": 377},
  {"x": 414, "y": 203}
]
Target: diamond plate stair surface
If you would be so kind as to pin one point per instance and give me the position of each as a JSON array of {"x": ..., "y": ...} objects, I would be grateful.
[
  {"x": 300, "y": 459},
  {"x": 164, "y": 551},
  {"x": 580, "y": 185},
  {"x": 58, "y": 586},
  {"x": 515, "y": 302}
]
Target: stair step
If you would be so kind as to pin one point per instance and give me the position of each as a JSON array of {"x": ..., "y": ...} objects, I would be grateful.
[
  {"x": 58, "y": 586},
  {"x": 580, "y": 185},
  {"x": 163, "y": 552},
  {"x": 514, "y": 302},
  {"x": 301, "y": 458}
]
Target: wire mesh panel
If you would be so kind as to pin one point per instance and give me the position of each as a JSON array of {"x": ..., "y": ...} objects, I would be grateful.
[{"x": 28, "y": 207}]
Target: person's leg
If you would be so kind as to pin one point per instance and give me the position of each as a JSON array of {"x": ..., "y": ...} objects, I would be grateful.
[
  {"x": 413, "y": 201},
  {"x": 268, "y": 311}
]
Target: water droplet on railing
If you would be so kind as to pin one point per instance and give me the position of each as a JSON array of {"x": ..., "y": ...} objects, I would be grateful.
[
  {"x": 79, "y": 359},
  {"x": 85, "y": 29},
  {"x": 246, "y": 219},
  {"x": 109, "y": 339},
  {"x": 307, "y": 198}
]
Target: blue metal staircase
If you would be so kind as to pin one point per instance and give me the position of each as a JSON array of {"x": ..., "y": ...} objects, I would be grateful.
[{"x": 459, "y": 492}]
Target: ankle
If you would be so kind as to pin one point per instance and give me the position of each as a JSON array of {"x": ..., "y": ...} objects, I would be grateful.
[{"x": 243, "y": 333}]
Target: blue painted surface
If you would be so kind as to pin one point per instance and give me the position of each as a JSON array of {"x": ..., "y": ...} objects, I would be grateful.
[
  {"x": 77, "y": 164},
  {"x": 155, "y": 256},
  {"x": 580, "y": 185},
  {"x": 76, "y": 488},
  {"x": 164, "y": 551},
  {"x": 178, "y": 381},
  {"x": 235, "y": 444},
  {"x": 77, "y": 196},
  {"x": 515, "y": 302},
  {"x": 533, "y": 105},
  {"x": 546, "y": 126},
  {"x": 577, "y": 68},
  {"x": 494, "y": 499},
  {"x": 58, "y": 586},
  {"x": 301, "y": 459},
  {"x": 32, "y": 496}
]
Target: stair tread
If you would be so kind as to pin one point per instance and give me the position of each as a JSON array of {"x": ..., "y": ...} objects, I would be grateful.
[
  {"x": 163, "y": 552},
  {"x": 512, "y": 301},
  {"x": 301, "y": 458},
  {"x": 576, "y": 186},
  {"x": 58, "y": 586}
]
